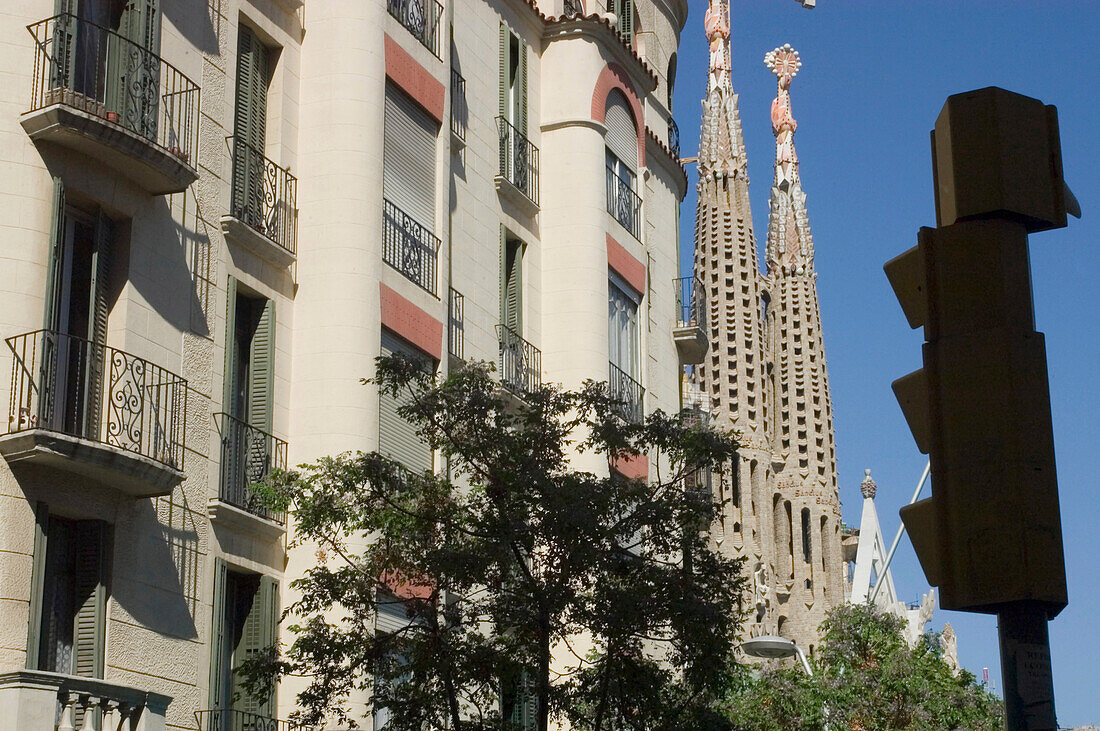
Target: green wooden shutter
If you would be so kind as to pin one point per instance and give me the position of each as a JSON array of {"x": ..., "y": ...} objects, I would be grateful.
[
  {"x": 135, "y": 93},
  {"x": 218, "y": 689},
  {"x": 51, "y": 320},
  {"x": 397, "y": 438},
  {"x": 257, "y": 635},
  {"x": 97, "y": 324},
  {"x": 624, "y": 9},
  {"x": 250, "y": 128},
  {"x": 38, "y": 578},
  {"x": 502, "y": 97},
  {"x": 511, "y": 283},
  {"x": 269, "y": 594},
  {"x": 261, "y": 374},
  {"x": 89, "y": 632},
  {"x": 521, "y": 82},
  {"x": 229, "y": 385}
]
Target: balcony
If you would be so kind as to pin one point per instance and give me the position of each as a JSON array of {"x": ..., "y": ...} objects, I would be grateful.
[
  {"x": 624, "y": 204},
  {"x": 690, "y": 333},
  {"x": 456, "y": 324},
  {"x": 520, "y": 362},
  {"x": 34, "y": 700},
  {"x": 460, "y": 113},
  {"x": 421, "y": 18},
  {"x": 628, "y": 392},
  {"x": 409, "y": 247},
  {"x": 97, "y": 411},
  {"x": 109, "y": 98},
  {"x": 263, "y": 206},
  {"x": 518, "y": 175},
  {"x": 226, "y": 719},
  {"x": 248, "y": 454}
]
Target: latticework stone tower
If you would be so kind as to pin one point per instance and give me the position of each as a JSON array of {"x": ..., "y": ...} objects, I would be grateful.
[{"x": 764, "y": 376}]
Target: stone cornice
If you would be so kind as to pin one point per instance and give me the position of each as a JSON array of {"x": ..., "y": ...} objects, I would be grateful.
[{"x": 601, "y": 31}]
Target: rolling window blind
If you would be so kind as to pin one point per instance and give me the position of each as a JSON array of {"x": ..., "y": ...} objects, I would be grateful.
[
  {"x": 408, "y": 158},
  {"x": 397, "y": 438},
  {"x": 622, "y": 136}
]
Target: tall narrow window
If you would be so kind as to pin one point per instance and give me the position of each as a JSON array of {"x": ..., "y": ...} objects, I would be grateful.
[
  {"x": 624, "y": 12},
  {"x": 623, "y": 201},
  {"x": 515, "y": 158},
  {"x": 69, "y": 596},
  {"x": 622, "y": 344},
  {"x": 397, "y": 438},
  {"x": 511, "y": 283},
  {"x": 807, "y": 537},
  {"x": 250, "y": 129},
  {"x": 735, "y": 496},
  {"x": 408, "y": 157},
  {"x": 245, "y": 622}
]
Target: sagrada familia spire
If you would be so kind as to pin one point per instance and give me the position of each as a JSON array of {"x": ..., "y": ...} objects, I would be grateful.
[{"x": 764, "y": 376}]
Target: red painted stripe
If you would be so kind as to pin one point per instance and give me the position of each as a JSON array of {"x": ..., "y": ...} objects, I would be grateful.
[
  {"x": 632, "y": 468},
  {"x": 410, "y": 322},
  {"x": 625, "y": 265},
  {"x": 403, "y": 70}
]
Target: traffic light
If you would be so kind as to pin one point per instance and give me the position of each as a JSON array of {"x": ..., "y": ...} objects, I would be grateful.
[{"x": 991, "y": 534}]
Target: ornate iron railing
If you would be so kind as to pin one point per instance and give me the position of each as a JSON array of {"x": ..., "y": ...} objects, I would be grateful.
[
  {"x": 457, "y": 323},
  {"x": 228, "y": 719},
  {"x": 624, "y": 204},
  {"x": 627, "y": 392},
  {"x": 520, "y": 362},
  {"x": 460, "y": 113},
  {"x": 264, "y": 196},
  {"x": 421, "y": 18},
  {"x": 674, "y": 138},
  {"x": 409, "y": 247},
  {"x": 94, "y": 69},
  {"x": 519, "y": 160},
  {"x": 248, "y": 455},
  {"x": 89, "y": 390},
  {"x": 691, "y": 302}
]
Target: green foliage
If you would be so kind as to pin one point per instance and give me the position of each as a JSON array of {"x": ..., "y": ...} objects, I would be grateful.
[
  {"x": 867, "y": 678},
  {"x": 514, "y": 555}
]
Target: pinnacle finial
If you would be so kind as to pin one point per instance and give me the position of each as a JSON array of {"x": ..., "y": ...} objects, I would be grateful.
[
  {"x": 716, "y": 23},
  {"x": 784, "y": 62},
  {"x": 868, "y": 487}
]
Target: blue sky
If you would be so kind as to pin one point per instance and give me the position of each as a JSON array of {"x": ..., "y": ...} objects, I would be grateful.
[{"x": 875, "y": 75}]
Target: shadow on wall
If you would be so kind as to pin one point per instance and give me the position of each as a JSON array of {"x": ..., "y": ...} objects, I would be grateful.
[
  {"x": 200, "y": 26},
  {"x": 156, "y": 567}
]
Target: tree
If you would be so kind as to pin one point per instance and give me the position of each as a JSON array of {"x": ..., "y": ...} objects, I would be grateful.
[
  {"x": 867, "y": 678},
  {"x": 526, "y": 588}
]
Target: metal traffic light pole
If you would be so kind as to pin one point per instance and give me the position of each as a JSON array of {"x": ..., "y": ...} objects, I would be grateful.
[{"x": 990, "y": 535}]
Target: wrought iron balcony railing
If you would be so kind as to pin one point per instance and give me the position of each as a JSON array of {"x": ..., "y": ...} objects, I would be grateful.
[
  {"x": 409, "y": 247},
  {"x": 264, "y": 196},
  {"x": 628, "y": 392},
  {"x": 89, "y": 390},
  {"x": 248, "y": 455},
  {"x": 228, "y": 719},
  {"x": 691, "y": 303},
  {"x": 572, "y": 7},
  {"x": 460, "y": 113},
  {"x": 94, "y": 69},
  {"x": 519, "y": 160},
  {"x": 457, "y": 323},
  {"x": 673, "y": 138},
  {"x": 520, "y": 362},
  {"x": 421, "y": 18},
  {"x": 624, "y": 204}
]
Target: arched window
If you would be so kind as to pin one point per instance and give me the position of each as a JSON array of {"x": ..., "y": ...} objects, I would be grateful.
[
  {"x": 670, "y": 80},
  {"x": 622, "y": 161}
]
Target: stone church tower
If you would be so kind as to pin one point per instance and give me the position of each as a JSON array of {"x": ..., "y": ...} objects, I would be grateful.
[{"x": 764, "y": 376}]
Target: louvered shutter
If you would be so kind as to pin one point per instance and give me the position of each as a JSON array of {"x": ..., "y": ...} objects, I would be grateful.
[
  {"x": 390, "y": 615},
  {"x": 268, "y": 618},
  {"x": 218, "y": 688},
  {"x": 38, "y": 584},
  {"x": 408, "y": 167},
  {"x": 622, "y": 135},
  {"x": 262, "y": 370},
  {"x": 250, "y": 128},
  {"x": 624, "y": 9},
  {"x": 136, "y": 93},
  {"x": 504, "y": 66},
  {"x": 229, "y": 376},
  {"x": 521, "y": 95},
  {"x": 97, "y": 325},
  {"x": 512, "y": 315},
  {"x": 89, "y": 631},
  {"x": 51, "y": 319},
  {"x": 397, "y": 438},
  {"x": 254, "y": 636}
]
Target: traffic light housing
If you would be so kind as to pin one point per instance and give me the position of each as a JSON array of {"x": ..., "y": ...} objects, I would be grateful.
[{"x": 980, "y": 408}]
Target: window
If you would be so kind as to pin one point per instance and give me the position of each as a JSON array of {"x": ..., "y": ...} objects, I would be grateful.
[
  {"x": 397, "y": 438},
  {"x": 622, "y": 326},
  {"x": 624, "y": 11},
  {"x": 78, "y": 298},
  {"x": 622, "y": 155},
  {"x": 245, "y": 622},
  {"x": 807, "y": 545},
  {"x": 408, "y": 157},
  {"x": 69, "y": 596},
  {"x": 519, "y": 701},
  {"x": 511, "y": 283},
  {"x": 518, "y": 158},
  {"x": 254, "y": 62}
]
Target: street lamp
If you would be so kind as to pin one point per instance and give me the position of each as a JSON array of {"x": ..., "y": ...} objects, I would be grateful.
[{"x": 772, "y": 647}]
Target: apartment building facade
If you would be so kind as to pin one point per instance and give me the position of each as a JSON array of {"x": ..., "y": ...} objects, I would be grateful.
[{"x": 218, "y": 215}]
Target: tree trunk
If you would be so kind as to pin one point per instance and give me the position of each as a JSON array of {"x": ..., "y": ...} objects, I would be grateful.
[{"x": 544, "y": 671}]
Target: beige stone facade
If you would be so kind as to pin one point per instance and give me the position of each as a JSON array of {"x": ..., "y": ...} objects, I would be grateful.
[
  {"x": 208, "y": 240},
  {"x": 764, "y": 375}
]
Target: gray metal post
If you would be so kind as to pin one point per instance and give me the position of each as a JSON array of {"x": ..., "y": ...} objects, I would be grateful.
[{"x": 1025, "y": 667}]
